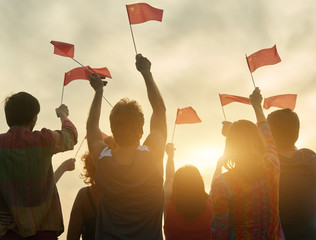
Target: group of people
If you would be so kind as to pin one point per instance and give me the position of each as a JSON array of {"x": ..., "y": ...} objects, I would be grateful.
[{"x": 267, "y": 192}]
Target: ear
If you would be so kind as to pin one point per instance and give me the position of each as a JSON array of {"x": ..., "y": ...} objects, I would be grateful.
[{"x": 32, "y": 123}]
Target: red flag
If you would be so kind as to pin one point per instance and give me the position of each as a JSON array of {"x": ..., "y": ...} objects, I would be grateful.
[
  {"x": 226, "y": 99},
  {"x": 187, "y": 115},
  {"x": 82, "y": 73},
  {"x": 268, "y": 56},
  {"x": 281, "y": 101},
  {"x": 63, "y": 49},
  {"x": 143, "y": 12}
]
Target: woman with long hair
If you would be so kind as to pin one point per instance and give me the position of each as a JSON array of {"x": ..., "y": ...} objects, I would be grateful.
[
  {"x": 82, "y": 222},
  {"x": 245, "y": 199},
  {"x": 187, "y": 207}
]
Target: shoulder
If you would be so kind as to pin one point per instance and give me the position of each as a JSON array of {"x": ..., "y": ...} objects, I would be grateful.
[{"x": 105, "y": 152}]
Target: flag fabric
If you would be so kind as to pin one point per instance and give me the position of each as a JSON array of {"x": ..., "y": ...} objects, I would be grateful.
[
  {"x": 63, "y": 49},
  {"x": 187, "y": 115},
  {"x": 226, "y": 99},
  {"x": 143, "y": 12},
  {"x": 281, "y": 101},
  {"x": 82, "y": 73},
  {"x": 268, "y": 56}
]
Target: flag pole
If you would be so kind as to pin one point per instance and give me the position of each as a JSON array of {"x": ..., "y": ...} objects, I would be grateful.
[
  {"x": 174, "y": 129},
  {"x": 107, "y": 101},
  {"x": 130, "y": 26},
  {"x": 222, "y": 106},
  {"x": 62, "y": 95},
  {"x": 79, "y": 147},
  {"x": 253, "y": 81},
  {"x": 91, "y": 72}
]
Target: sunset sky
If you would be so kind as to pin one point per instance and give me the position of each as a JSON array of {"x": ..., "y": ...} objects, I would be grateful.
[{"x": 197, "y": 52}]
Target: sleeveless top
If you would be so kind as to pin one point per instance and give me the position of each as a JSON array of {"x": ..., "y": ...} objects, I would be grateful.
[{"x": 89, "y": 225}]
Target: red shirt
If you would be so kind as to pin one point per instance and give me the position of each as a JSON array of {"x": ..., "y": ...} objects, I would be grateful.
[{"x": 177, "y": 227}]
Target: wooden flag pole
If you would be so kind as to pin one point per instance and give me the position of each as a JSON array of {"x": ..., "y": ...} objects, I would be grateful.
[
  {"x": 79, "y": 147},
  {"x": 253, "y": 81},
  {"x": 130, "y": 26}
]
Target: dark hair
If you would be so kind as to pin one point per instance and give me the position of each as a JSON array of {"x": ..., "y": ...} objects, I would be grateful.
[
  {"x": 188, "y": 195},
  {"x": 127, "y": 120},
  {"x": 20, "y": 109},
  {"x": 244, "y": 150},
  {"x": 285, "y": 126}
]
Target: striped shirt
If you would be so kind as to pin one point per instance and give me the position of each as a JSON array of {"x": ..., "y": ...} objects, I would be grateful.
[{"x": 29, "y": 200}]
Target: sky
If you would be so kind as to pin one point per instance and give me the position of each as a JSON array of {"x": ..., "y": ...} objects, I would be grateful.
[{"x": 197, "y": 52}]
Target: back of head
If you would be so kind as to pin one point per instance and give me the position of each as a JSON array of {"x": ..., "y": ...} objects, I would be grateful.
[
  {"x": 244, "y": 150},
  {"x": 20, "y": 109},
  {"x": 188, "y": 195},
  {"x": 127, "y": 120},
  {"x": 285, "y": 126}
]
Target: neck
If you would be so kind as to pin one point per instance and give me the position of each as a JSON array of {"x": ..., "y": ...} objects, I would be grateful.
[{"x": 287, "y": 152}]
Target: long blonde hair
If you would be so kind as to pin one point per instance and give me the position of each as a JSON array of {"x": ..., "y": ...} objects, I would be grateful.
[{"x": 244, "y": 150}]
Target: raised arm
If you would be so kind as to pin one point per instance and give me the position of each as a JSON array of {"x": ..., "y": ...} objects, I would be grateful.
[
  {"x": 158, "y": 127},
  {"x": 67, "y": 165},
  {"x": 169, "y": 176},
  {"x": 94, "y": 134},
  {"x": 256, "y": 102},
  {"x": 66, "y": 138}
]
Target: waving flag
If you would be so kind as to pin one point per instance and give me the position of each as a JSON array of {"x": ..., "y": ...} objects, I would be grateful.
[
  {"x": 281, "y": 101},
  {"x": 83, "y": 73},
  {"x": 143, "y": 12},
  {"x": 263, "y": 57},
  {"x": 226, "y": 99},
  {"x": 63, "y": 49},
  {"x": 187, "y": 115}
]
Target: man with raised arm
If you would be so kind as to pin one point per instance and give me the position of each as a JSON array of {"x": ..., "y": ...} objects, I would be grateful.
[
  {"x": 29, "y": 201},
  {"x": 297, "y": 177},
  {"x": 129, "y": 177}
]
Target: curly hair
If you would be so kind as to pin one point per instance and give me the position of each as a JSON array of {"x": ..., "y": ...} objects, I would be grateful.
[{"x": 88, "y": 174}]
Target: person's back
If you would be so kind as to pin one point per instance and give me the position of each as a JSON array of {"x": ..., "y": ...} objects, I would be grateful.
[
  {"x": 297, "y": 178},
  {"x": 130, "y": 178},
  {"x": 29, "y": 201}
]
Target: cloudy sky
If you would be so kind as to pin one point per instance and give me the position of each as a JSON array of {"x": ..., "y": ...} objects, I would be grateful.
[{"x": 197, "y": 51}]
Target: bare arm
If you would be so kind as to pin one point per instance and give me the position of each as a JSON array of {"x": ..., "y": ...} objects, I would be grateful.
[
  {"x": 169, "y": 176},
  {"x": 256, "y": 102},
  {"x": 68, "y": 165},
  {"x": 66, "y": 138},
  {"x": 158, "y": 127},
  {"x": 94, "y": 134}
]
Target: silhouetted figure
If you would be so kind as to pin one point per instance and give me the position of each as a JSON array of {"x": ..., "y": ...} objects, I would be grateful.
[
  {"x": 130, "y": 178},
  {"x": 297, "y": 177},
  {"x": 187, "y": 210},
  {"x": 245, "y": 199},
  {"x": 29, "y": 201},
  {"x": 83, "y": 218}
]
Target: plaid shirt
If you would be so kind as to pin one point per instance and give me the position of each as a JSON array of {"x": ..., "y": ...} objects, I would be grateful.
[{"x": 29, "y": 200}]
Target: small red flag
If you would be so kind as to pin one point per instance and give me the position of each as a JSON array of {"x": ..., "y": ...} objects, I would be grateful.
[
  {"x": 187, "y": 115},
  {"x": 82, "y": 73},
  {"x": 281, "y": 101},
  {"x": 226, "y": 99},
  {"x": 63, "y": 49},
  {"x": 268, "y": 56},
  {"x": 143, "y": 12}
]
